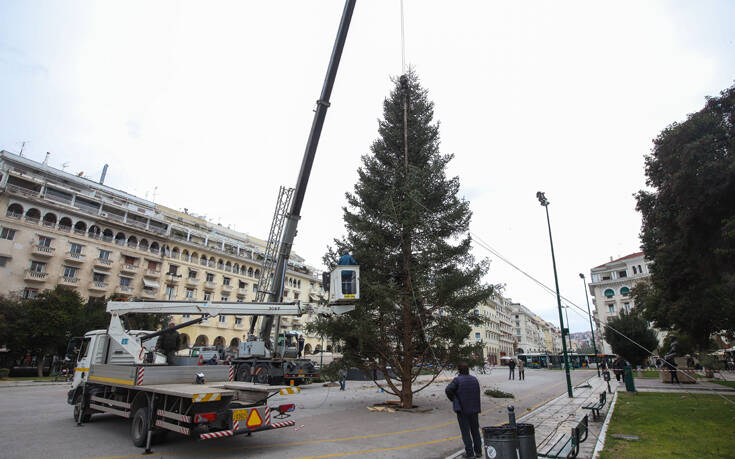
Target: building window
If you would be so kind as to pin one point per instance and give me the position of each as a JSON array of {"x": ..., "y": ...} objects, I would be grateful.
[
  {"x": 607, "y": 277},
  {"x": 626, "y": 306},
  {"x": 7, "y": 233},
  {"x": 611, "y": 308},
  {"x": 622, "y": 274},
  {"x": 635, "y": 270},
  {"x": 70, "y": 271},
  {"x": 3, "y": 261},
  {"x": 104, "y": 254},
  {"x": 222, "y": 319},
  {"x": 190, "y": 293},
  {"x": 210, "y": 277},
  {"x": 30, "y": 293},
  {"x": 38, "y": 267},
  {"x": 124, "y": 281},
  {"x": 207, "y": 296},
  {"x": 98, "y": 277},
  {"x": 226, "y": 281},
  {"x": 185, "y": 316},
  {"x": 169, "y": 291},
  {"x": 477, "y": 336},
  {"x": 238, "y": 321},
  {"x": 173, "y": 269},
  {"x": 640, "y": 270},
  {"x": 609, "y": 293},
  {"x": 75, "y": 248},
  {"x": 44, "y": 241},
  {"x": 225, "y": 298},
  {"x": 192, "y": 274},
  {"x": 241, "y": 284},
  {"x": 625, "y": 291},
  {"x": 255, "y": 288}
]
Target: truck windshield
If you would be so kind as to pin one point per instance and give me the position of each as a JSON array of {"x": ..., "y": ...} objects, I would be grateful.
[{"x": 84, "y": 350}]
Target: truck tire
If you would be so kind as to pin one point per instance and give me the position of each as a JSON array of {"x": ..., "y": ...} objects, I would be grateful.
[
  {"x": 86, "y": 415},
  {"x": 139, "y": 426},
  {"x": 264, "y": 376},
  {"x": 243, "y": 373}
]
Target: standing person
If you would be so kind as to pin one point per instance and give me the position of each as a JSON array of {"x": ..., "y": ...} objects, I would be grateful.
[
  {"x": 342, "y": 378},
  {"x": 168, "y": 343},
  {"x": 521, "y": 370},
  {"x": 618, "y": 365},
  {"x": 464, "y": 392},
  {"x": 512, "y": 368},
  {"x": 301, "y": 344},
  {"x": 671, "y": 366}
]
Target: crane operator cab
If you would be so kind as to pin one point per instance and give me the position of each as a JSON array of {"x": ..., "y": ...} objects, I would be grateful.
[{"x": 344, "y": 281}]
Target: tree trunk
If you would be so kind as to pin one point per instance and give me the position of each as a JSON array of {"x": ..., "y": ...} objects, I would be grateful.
[{"x": 40, "y": 365}]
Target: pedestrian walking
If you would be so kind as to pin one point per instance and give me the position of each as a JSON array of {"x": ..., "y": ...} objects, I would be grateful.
[
  {"x": 342, "y": 378},
  {"x": 301, "y": 344},
  {"x": 521, "y": 370},
  {"x": 464, "y": 392},
  {"x": 512, "y": 369}
]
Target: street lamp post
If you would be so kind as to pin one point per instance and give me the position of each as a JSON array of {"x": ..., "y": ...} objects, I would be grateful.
[
  {"x": 564, "y": 331},
  {"x": 171, "y": 286},
  {"x": 592, "y": 329}
]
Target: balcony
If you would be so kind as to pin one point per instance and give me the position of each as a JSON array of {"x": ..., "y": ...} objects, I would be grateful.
[
  {"x": 35, "y": 276},
  {"x": 222, "y": 324},
  {"x": 226, "y": 288},
  {"x": 69, "y": 281},
  {"x": 192, "y": 282},
  {"x": 20, "y": 190},
  {"x": 172, "y": 280},
  {"x": 14, "y": 215},
  {"x": 209, "y": 286},
  {"x": 124, "y": 290},
  {"x": 43, "y": 251},
  {"x": 126, "y": 268},
  {"x": 102, "y": 262},
  {"x": 74, "y": 257},
  {"x": 98, "y": 286},
  {"x": 149, "y": 293},
  {"x": 152, "y": 273},
  {"x": 242, "y": 291}
]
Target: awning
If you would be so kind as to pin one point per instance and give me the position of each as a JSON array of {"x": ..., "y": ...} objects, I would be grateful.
[
  {"x": 99, "y": 271},
  {"x": 150, "y": 284},
  {"x": 126, "y": 277}
]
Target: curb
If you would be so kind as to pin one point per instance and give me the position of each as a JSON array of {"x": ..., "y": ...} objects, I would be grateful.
[
  {"x": 603, "y": 431},
  {"x": 33, "y": 384}
]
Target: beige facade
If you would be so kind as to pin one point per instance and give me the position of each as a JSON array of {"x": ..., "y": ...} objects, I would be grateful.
[
  {"x": 496, "y": 334},
  {"x": 610, "y": 288},
  {"x": 61, "y": 229}
]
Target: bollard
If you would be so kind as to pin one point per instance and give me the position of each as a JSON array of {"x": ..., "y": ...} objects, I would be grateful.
[{"x": 606, "y": 377}]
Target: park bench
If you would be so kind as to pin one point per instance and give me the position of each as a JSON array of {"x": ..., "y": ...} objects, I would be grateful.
[
  {"x": 568, "y": 444},
  {"x": 597, "y": 406}
]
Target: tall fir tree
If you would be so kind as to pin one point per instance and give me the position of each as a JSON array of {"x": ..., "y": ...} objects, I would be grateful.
[{"x": 409, "y": 231}]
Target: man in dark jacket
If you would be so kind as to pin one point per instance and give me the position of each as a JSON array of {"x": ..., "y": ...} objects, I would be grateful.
[
  {"x": 512, "y": 368},
  {"x": 464, "y": 392}
]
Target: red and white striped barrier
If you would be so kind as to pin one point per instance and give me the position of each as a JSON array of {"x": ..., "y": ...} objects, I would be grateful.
[
  {"x": 139, "y": 376},
  {"x": 267, "y": 419},
  {"x": 220, "y": 434},
  {"x": 235, "y": 426},
  {"x": 278, "y": 425},
  {"x": 231, "y": 376}
]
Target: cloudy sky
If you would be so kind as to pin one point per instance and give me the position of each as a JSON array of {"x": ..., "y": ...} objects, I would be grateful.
[{"x": 208, "y": 105}]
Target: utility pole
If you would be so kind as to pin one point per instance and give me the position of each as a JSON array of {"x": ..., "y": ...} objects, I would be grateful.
[
  {"x": 564, "y": 331},
  {"x": 592, "y": 329}
]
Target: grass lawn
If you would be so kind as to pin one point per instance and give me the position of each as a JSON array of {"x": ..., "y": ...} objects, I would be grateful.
[
  {"x": 647, "y": 374},
  {"x": 724, "y": 383},
  {"x": 671, "y": 425}
]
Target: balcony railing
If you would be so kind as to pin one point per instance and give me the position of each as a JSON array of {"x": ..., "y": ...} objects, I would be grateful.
[
  {"x": 192, "y": 281},
  {"x": 209, "y": 285},
  {"x": 116, "y": 217},
  {"x": 150, "y": 293},
  {"x": 21, "y": 190},
  {"x": 56, "y": 198},
  {"x": 104, "y": 262},
  {"x": 152, "y": 273},
  {"x": 87, "y": 208},
  {"x": 66, "y": 280},
  {"x": 125, "y": 289},
  {"x": 95, "y": 285},
  {"x": 242, "y": 291},
  {"x": 32, "y": 220},
  {"x": 49, "y": 224},
  {"x": 35, "y": 276},
  {"x": 226, "y": 288},
  {"x": 75, "y": 257},
  {"x": 129, "y": 268},
  {"x": 64, "y": 228},
  {"x": 43, "y": 250},
  {"x": 14, "y": 215},
  {"x": 136, "y": 223}
]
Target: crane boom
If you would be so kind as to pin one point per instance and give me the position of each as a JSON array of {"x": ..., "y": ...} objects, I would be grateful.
[{"x": 294, "y": 215}]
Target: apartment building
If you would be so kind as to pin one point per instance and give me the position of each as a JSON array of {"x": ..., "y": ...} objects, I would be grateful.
[
  {"x": 610, "y": 288},
  {"x": 496, "y": 332},
  {"x": 57, "y": 228}
]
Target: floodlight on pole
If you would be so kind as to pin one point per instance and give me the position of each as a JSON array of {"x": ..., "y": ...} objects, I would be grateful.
[{"x": 564, "y": 331}]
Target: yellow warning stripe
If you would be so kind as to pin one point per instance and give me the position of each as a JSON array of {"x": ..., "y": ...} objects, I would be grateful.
[
  {"x": 127, "y": 382},
  {"x": 196, "y": 398},
  {"x": 290, "y": 390},
  {"x": 81, "y": 369}
]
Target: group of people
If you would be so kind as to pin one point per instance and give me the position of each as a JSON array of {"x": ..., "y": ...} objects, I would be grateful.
[{"x": 512, "y": 364}]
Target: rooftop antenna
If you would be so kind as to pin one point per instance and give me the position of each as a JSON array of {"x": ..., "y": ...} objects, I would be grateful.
[
  {"x": 65, "y": 165},
  {"x": 45, "y": 160},
  {"x": 104, "y": 174},
  {"x": 22, "y": 146},
  {"x": 155, "y": 189}
]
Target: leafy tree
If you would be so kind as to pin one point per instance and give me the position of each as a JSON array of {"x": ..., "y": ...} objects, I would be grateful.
[
  {"x": 408, "y": 229},
  {"x": 689, "y": 223},
  {"x": 636, "y": 333}
]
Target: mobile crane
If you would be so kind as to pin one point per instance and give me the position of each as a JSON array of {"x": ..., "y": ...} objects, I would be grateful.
[{"x": 119, "y": 371}]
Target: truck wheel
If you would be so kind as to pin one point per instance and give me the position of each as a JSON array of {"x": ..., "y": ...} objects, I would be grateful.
[
  {"x": 86, "y": 415},
  {"x": 139, "y": 427},
  {"x": 243, "y": 373},
  {"x": 264, "y": 376}
]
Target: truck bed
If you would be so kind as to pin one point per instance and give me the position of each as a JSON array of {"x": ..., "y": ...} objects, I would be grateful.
[{"x": 147, "y": 375}]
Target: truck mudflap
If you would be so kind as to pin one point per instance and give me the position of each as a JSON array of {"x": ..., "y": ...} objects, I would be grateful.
[{"x": 239, "y": 429}]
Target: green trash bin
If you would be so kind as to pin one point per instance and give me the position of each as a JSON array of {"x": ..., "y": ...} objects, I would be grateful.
[{"x": 628, "y": 378}]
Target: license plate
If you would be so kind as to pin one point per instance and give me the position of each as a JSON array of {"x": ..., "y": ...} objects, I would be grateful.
[
  {"x": 239, "y": 415},
  {"x": 349, "y": 296}
]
